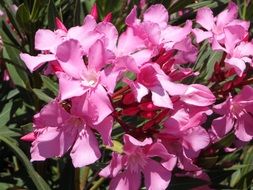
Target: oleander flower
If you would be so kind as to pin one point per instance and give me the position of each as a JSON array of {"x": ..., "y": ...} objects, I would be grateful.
[
  {"x": 57, "y": 131},
  {"x": 126, "y": 169},
  {"x": 236, "y": 113}
]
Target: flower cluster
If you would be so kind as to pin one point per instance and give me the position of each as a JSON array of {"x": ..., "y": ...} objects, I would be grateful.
[{"x": 107, "y": 78}]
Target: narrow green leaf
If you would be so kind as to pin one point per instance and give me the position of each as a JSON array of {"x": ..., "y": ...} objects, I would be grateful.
[
  {"x": 36, "y": 178},
  {"x": 23, "y": 18},
  {"x": 5, "y": 113},
  {"x": 77, "y": 12},
  {"x": 52, "y": 13},
  {"x": 42, "y": 95},
  {"x": 50, "y": 84},
  {"x": 4, "y": 131}
]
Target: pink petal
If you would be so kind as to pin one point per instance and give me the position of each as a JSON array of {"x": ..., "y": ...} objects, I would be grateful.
[
  {"x": 35, "y": 62},
  {"x": 138, "y": 89},
  {"x": 132, "y": 16},
  {"x": 142, "y": 56},
  {"x": 130, "y": 141},
  {"x": 69, "y": 55},
  {"x": 205, "y": 18},
  {"x": 96, "y": 56},
  {"x": 100, "y": 105},
  {"x": 110, "y": 34},
  {"x": 55, "y": 138},
  {"x": 94, "y": 105},
  {"x": 237, "y": 64},
  {"x": 228, "y": 15},
  {"x": 46, "y": 40},
  {"x": 126, "y": 180},
  {"x": 156, "y": 177},
  {"x": 176, "y": 33},
  {"x": 47, "y": 116},
  {"x": 233, "y": 35},
  {"x": 196, "y": 139},
  {"x": 201, "y": 35},
  {"x": 222, "y": 125},
  {"x": 198, "y": 95},
  {"x": 224, "y": 107},
  {"x": 85, "y": 150},
  {"x": 129, "y": 42},
  {"x": 245, "y": 97},
  {"x": 114, "y": 166},
  {"x": 105, "y": 129},
  {"x": 70, "y": 87},
  {"x": 244, "y": 129},
  {"x": 158, "y": 150},
  {"x": 161, "y": 98},
  {"x": 157, "y": 14}
]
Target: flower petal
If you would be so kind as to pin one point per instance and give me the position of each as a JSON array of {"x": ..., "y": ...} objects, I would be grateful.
[
  {"x": 85, "y": 150},
  {"x": 205, "y": 18},
  {"x": 156, "y": 177},
  {"x": 157, "y": 14},
  {"x": 35, "y": 62}
]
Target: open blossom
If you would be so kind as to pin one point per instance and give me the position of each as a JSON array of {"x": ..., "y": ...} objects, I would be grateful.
[
  {"x": 152, "y": 78},
  {"x": 157, "y": 33},
  {"x": 57, "y": 131},
  {"x": 183, "y": 136},
  {"x": 238, "y": 51},
  {"x": 236, "y": 114},
  {"x": 126, "y": 169},
  {"x": 48, "y": 41},
  {"x": 214, "y": 26}
]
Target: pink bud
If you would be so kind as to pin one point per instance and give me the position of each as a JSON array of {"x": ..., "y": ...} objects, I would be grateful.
[
  {"x": 60, "y": 25},
  {"x": 29, "y": 137},
  {"x": 108, "y": 17},
  {"x": 94, "y": 11}
]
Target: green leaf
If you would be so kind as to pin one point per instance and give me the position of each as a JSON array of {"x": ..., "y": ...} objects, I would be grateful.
[
  {"x": 4, "y": 131},
  {"x": 77, "y": 12},
  {"x": 52, "y": 13},
  {"x": 42, "y": 95},
  {"x": 225, "y": 141},
  {"x": 36, "y": 178},
  {"x": 50, "y": 84},
  {"x": 23, "y": 18},
  {"x": 179, "y": 183},
  {"x": 5, "y": 113},
  {"x": 17, "y": 72}
]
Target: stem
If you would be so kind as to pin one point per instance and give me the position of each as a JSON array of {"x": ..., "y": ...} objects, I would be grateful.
[
  {"x": 120, "y": 91},
  {"x": 120, "y": 121},
  {"x": 84, "y": 178},
  {"x": 97, "y": 184}
]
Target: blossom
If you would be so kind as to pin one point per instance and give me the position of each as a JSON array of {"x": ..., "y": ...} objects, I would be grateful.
[
  {"x": 214, "y": 26},
  {"x": 236, "y": 113},
  {"x": 126, "y": 169},
  {"x": 57, "y": 131},
  {"x": 238, "y": 51},
  {"x": 152, "y": 78},
  {"x": 183, "y": 136}
]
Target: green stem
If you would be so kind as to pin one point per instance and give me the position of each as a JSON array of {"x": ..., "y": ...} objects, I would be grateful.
[{"x": 97, "y": 184}]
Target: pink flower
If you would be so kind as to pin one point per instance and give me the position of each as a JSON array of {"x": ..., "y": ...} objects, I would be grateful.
[
  {"x": 214, "y": 26},
  {"x": 152, "y": 78},
  {"x": 183, "y": 136},
  {"x": 126, "y": 169},
  {"x": 48, "y": 41},
  {"x": 57, "y": 131},
  {"x": 238, "y": 51},
  {"x": 236, "y": 113},
  {"x": 79, "y": 79}
]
